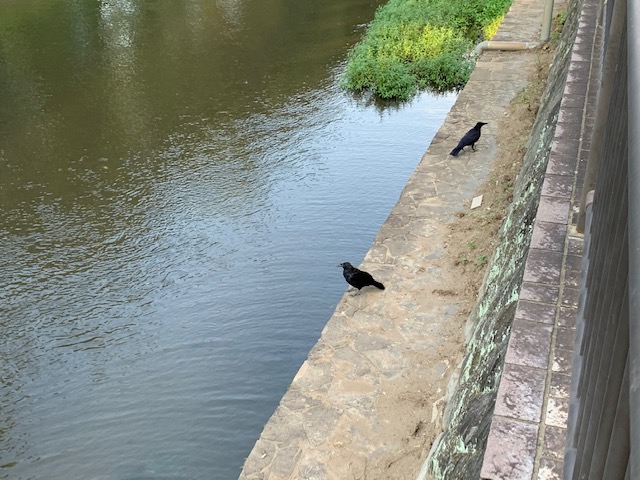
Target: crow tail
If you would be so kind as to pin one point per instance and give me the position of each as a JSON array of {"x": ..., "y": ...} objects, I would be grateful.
[
  {"x": 456, "y": 151},
  {"x": 378, "y": 284}
]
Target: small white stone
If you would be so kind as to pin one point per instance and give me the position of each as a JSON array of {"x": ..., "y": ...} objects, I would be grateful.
[{"x": 476, "y": 202}]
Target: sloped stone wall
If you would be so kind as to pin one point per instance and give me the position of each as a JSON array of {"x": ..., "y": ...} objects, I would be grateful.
[{"x": 458, "y": 451}]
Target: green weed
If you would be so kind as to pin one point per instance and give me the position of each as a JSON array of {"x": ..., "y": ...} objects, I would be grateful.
[
  {"x": 413, "y": 45},
  {"x": 557, "y": 24}
]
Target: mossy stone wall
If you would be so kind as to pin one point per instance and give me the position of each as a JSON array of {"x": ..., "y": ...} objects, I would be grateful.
[{"x": 458, "y": 452}]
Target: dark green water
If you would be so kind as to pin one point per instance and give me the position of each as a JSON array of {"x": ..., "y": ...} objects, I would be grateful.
[{"x": 178, "y": 181}]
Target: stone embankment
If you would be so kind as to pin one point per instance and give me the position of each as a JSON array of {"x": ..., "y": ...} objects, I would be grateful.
[
  {"x": 371, "y": 397},
  {"x": 518, "y": 358}
]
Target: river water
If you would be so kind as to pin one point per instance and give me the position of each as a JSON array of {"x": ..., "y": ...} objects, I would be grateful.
[{"x": 178, "y": 181}]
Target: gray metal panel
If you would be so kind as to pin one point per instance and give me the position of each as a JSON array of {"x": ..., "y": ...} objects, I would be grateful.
[
  {"x": 634, "y": 232},
  {"x": 603, "y": 435}
]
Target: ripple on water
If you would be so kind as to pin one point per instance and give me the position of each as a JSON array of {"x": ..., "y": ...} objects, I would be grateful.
[{"x": 168, "y": 255}]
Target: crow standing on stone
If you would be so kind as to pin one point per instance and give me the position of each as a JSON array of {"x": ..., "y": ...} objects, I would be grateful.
[
  {"x": 358, "y": 278},
  {"x": 470, "y": 138}
]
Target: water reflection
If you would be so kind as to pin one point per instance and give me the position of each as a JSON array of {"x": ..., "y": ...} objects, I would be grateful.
[
  {"x": 169, "y": 173},
  {"x": 125, "y": 91},
  {"x": 233, "y": 13}
]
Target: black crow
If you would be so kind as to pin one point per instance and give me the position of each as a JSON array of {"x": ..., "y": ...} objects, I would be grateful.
[
  {"x": 358, "y": 278},
  {"x": 470, "y": 138}
]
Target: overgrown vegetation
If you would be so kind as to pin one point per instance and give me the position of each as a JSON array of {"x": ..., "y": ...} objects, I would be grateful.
[{"x": 412, "y": 45}]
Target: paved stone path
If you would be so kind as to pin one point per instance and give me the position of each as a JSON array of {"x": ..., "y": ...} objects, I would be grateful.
[{"x": 355, "y": 408}]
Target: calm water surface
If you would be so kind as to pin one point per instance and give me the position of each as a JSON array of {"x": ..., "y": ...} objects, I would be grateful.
[{"x": 178, "y": 182}]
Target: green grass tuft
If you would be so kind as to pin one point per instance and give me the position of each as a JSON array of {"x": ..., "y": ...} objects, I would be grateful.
[{"x": 413, "y": 45}]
